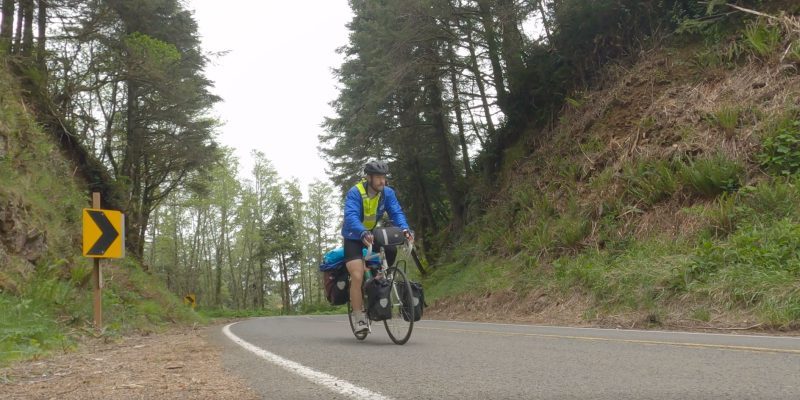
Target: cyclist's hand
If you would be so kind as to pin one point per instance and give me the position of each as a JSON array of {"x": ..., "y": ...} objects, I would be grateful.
[
  {"x": 409, "y": 236},
  {"x": 367, "y": 238}
]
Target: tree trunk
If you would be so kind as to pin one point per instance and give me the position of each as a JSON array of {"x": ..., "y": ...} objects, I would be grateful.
[
  {"x": 428, "y": 221},
  {"x": 459, "y": 120},
  {"x": 194, "y": 257},
  {"x": 302, "y": 284},
  {"x": 494, "y": 54},
  {"x": 476, "y": 71},
  {"x": 152, "y": 258},
  {"x": 41, "y": 48},
  {"x": 27, "y": 32},
  {"x": 287, "y": 297},
  {"x": 511, "y": 47},
  {"x": 442, "y": 137},
  {"x": 247, "y": 274},
  {"x": 236, "y": 282},
  {"x": 319, "y": 261},
  {"x": 7, "y": 25},
  {"x": 131, "y": 170},
  {"x": 144, "y": 220},
  {"x": 209, "y": 244},
  {"x": 220, "y": 250},
  {"x": 475, "y": 128},
  {"x": 305, "y": 269},
  {"x": 261, "y": 284},
  {"x": 545, "y": 22},
  {"x": 283, "y": 293},
  {"x": 176, "y": 257},
  {"x": 18, "y": 34}
]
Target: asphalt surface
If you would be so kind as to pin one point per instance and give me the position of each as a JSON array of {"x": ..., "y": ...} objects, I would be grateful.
[{"x": 459, "y": 360}]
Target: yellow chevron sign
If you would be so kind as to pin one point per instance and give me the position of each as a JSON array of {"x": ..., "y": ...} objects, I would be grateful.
[
  {"x": 103, "y": 233},
  {"x": 190, "y": 300}
]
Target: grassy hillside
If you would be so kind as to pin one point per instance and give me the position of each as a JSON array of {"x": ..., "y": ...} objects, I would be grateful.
[
  {"x": 667, "y": 195},
  {"x": 45, "y": 284}
]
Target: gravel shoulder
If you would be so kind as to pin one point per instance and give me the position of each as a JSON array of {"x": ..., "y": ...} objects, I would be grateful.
[{"x": 178, "y": 364}]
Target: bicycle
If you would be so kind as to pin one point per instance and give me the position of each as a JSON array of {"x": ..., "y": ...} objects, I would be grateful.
[{"x": 401, "y": 323}]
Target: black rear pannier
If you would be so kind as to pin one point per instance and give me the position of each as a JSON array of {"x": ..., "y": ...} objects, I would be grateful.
[
  {"x": 379, "y": 304},
  {"x": 414, "y": 304},
  {"x": 337, "y": 286}
]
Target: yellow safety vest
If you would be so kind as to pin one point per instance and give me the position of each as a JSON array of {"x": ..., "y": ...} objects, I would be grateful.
[{"x": 370, "y": 207}]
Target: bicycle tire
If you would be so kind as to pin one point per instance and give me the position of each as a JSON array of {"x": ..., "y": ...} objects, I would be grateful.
[
  {"x": 361, "y": 335},
  {"x": 399, "y": 327}
]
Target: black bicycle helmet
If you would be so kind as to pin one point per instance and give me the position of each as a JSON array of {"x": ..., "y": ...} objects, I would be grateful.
[{"x": 376, "y": 167}]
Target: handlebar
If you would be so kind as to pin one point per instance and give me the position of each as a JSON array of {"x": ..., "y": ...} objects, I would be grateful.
[{"x": 407, "y": 246}]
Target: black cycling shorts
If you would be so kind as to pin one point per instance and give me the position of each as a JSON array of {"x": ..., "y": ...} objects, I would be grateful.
[{"x": 353, "y": 250}]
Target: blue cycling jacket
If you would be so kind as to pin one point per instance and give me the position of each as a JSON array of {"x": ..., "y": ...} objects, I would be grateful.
[{"x": 354, "y": 212}]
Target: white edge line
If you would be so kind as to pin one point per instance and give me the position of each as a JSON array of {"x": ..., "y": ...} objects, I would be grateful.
[
  {"x": 329, "y": 381},
  {"x": 742, "y": 335},
  {"x": 586, "y": 328}
]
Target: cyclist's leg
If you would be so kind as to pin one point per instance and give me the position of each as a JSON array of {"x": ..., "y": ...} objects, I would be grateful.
[
  {"x": 356, "y": 270},
  {"x": 355, "y": 267}
]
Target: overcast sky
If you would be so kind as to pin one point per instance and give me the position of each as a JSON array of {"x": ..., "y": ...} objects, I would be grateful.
[{"x": 276, "y": 80}]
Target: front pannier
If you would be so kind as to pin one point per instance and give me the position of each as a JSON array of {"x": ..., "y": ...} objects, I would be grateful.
[
  {"x": 379, "y": 304},
  {"x": 414, "y": 303}
]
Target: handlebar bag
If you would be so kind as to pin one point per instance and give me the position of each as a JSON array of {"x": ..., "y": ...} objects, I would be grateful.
[{"x": 390, "y": 236}]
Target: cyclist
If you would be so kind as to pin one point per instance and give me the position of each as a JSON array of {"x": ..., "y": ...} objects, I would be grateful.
[{"x": 364, "y": 204}]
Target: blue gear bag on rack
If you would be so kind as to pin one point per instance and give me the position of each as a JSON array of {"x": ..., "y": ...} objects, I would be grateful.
[{"x": 334, "y": 259}]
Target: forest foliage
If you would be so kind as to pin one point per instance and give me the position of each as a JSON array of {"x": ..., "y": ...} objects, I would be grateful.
[{"x": 445, "y": 90}]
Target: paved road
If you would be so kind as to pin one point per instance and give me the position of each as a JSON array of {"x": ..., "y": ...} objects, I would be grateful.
[{"x": 318, "y": 358}]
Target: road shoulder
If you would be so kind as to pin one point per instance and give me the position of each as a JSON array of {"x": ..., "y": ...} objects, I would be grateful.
[{"x": 179, "y": 364}]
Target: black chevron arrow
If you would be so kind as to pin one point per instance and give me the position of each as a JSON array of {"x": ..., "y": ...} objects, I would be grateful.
[{"x": 109, "y": 233}]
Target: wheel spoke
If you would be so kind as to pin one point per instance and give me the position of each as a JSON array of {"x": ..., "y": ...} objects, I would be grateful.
[{"x": 400, "y": 325}]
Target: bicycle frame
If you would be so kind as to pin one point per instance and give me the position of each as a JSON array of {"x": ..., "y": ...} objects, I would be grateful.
[{"x": 407, "y": 248}]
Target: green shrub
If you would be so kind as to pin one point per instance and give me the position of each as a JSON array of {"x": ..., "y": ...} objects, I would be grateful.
[
  {"x": 634, "y": 278},
  {"x": 650, "y": 182},
  {"x": 794, "y": 52},
  {"x": 716, "y": 55},
  {"x": 323, "y": 308},
  {"x": 757, "y": 267},
  {"x": 772, "y": 200},
  {"x": 245, "y": 313},
  {"x": 602, "y": 180},
  {"x": 725, "y": 214},
  {"x": 761, "y": 38},
  {"x": 28, "y": 326},
  {"x": 709, "y": 177},
  {"x": 549, "y": 232},
  {"x": 701, "y": 314},
  {"x": 781, "y": 148},
  {"x": 727, "y": 119},
  {"x": 571, "y": 229},
  {"x": 476, "y": 278}
]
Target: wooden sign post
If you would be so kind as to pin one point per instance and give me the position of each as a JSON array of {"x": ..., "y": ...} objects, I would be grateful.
[
  {"x": 103, "y": 237},
  {"x": 98, "y": 285}
]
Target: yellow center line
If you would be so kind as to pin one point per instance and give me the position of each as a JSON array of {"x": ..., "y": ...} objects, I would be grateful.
[{"x": 637, "y": 341}]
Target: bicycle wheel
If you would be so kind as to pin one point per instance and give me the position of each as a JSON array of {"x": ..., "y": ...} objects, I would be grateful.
[
  {"x": 351, "y": 317},
  {"x": 402, "y": 321}
]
